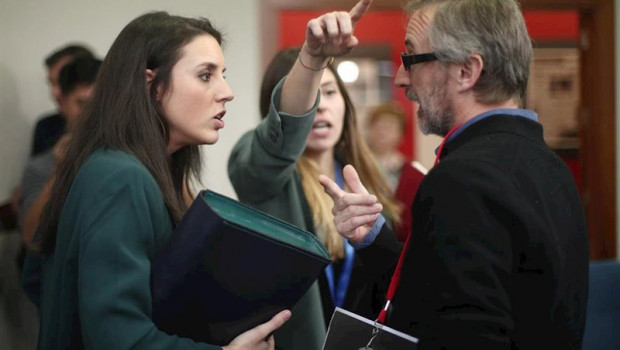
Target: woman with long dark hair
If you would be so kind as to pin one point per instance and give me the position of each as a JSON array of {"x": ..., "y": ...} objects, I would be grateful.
[{"x": 124, "y": 181}]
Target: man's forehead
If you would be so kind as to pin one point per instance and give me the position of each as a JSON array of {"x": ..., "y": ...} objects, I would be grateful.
[{"x": 417, "y": 26}]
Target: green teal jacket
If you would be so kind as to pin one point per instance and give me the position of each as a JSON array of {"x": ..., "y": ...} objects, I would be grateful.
[
  {"x": 93, "y": 291},
  {"x": 262, "y": 171}
]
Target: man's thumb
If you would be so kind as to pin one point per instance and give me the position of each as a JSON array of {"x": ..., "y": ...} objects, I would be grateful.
[{"x": 352, "y": 180}]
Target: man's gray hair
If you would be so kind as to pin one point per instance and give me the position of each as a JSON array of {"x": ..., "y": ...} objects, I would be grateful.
[{"x": 494, "y": 29}]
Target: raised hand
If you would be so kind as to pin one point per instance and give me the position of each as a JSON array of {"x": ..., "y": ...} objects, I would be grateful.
[
  {"x": 354, "y": 212},
  {"x": 259, "y": 338},
  {"x": 332, "y": 33}
]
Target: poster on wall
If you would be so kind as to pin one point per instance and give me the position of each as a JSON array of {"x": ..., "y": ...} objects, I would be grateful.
[{"x": 554, "y": 93}]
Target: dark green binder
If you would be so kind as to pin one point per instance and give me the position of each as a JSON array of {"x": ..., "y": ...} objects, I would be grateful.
[{"x": 228, "y": 268}]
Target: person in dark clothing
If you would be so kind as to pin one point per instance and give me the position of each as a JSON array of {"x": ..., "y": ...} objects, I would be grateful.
[
  {"x": 47, "y": 131},
  {"x": 49, "y": 128},
  {"x": 77, "y": 82},
  {"x": 497, "y": 257}
]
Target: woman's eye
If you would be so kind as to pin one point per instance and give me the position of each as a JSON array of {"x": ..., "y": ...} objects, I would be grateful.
[
  {"x": 205, "y": 76},
  {"x": 329, "y": 92}
]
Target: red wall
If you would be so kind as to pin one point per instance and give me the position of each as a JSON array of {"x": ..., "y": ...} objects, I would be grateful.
[{"x": 388, "y": 27}]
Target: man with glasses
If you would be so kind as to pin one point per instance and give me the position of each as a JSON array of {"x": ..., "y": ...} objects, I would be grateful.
[{"x": 498, "y": 254}]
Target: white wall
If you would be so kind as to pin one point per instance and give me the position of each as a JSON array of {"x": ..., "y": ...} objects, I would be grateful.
[{"x": 29, "y": 30}]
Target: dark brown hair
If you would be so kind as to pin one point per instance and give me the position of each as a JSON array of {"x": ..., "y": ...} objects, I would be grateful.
[{"x": 124, "y": 113}]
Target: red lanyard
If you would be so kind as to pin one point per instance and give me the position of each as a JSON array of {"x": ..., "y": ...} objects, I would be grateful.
[
  {"x": 396, "y": 276},
  {"x": 443, "y": 143}
]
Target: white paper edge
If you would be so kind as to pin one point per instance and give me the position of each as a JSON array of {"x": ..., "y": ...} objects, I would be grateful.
[{"x": 367, "y": 321}]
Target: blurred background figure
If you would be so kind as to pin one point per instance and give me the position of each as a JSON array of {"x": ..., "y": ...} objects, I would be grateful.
[
  {"x": 50, "y": 127},
  {"x": 76, "y": 81},
  {"x": 385, "y": 126}
]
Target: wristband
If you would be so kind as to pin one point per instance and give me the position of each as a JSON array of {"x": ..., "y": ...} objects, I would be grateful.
[{"x": 330, "y": 61}]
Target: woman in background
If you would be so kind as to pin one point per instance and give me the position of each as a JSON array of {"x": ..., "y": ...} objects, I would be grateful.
[
  {"x": 275, "y": 168},
  {"x": 123, "y": 183},
  {"x": 385, "y": 127}
]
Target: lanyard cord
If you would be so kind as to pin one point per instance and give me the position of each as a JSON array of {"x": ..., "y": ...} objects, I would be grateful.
[
  {"x": 339, "y": 291},
  {"x": 396, "y": 276},
  {"x": 443, "y": 143}
]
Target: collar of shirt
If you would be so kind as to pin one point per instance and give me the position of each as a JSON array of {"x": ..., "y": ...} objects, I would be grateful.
[{"x": 515, "y": 112}]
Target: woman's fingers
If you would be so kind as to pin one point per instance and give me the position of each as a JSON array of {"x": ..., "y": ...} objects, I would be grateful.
[{"x": 332, "y": 33}]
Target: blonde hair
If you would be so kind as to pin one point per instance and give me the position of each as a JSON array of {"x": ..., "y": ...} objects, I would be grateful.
[{"x": 352, "y": 148}]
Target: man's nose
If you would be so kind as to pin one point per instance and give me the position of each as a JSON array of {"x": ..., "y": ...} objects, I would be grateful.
[{"x": 402, "y": 78}]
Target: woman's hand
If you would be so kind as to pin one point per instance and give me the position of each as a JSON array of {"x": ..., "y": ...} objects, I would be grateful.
[
  {"x": 259, "y": 337},
  {"x": 326, "y": 36},
  {"x": 332, "y": 33}
]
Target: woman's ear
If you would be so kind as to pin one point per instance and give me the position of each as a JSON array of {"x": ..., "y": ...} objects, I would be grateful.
[{"x": 150, "y": 76}]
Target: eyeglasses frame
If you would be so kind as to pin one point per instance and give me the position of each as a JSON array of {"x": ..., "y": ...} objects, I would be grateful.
[{"x": 410, "y": 60}]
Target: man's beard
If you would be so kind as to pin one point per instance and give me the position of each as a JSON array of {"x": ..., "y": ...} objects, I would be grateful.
[{"x": 434, "y": 115}]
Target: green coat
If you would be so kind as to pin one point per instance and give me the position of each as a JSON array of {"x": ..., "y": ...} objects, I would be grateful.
[
  {"x": 262, "y": 170},
  {"x": 96, "y": 285}
]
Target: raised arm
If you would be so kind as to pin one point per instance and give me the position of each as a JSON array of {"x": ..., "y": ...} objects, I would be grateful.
[{"x": 327, "y": 36}]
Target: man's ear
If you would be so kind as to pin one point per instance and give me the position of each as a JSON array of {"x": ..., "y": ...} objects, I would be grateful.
[{"x": 469, "y": 72}]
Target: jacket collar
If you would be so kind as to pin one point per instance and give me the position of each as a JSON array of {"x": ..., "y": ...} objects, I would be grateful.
[{"x": 495, "y": 124}]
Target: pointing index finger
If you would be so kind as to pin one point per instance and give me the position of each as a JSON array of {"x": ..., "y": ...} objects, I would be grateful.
[
  {"x": 331, "y": 188},
  {"x": 358, "y": 10}
]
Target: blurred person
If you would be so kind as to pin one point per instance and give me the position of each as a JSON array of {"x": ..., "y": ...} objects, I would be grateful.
[
  {"x": 76, "y": 81},
  {"x": 123, "y": 182},
  {"x": 385, "y": 127},
  {"x": 50, "y": 128},
  {"x": 498, "y": 254},
  {"x": 275, "y": 168},
  {"x": 47, "y": 131}
]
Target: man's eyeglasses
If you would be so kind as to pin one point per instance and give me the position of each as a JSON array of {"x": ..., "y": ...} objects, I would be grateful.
[{"x": 410, "y": 60}]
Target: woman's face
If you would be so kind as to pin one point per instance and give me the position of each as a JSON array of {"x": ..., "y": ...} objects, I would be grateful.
[
  {"x": 329, "y": 121},
  {"x": 385, "y": 133},
  {"x": 194, "y": 103}
]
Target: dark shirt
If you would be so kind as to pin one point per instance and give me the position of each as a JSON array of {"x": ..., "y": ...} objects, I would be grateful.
[{"x": 47, "y": 132}]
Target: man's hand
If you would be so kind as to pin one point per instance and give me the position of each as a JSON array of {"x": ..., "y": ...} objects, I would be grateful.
[{"x": 354, "y": 212}]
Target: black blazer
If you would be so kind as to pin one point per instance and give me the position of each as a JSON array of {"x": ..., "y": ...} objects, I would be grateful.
[{"x": 499, "y": 253}]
